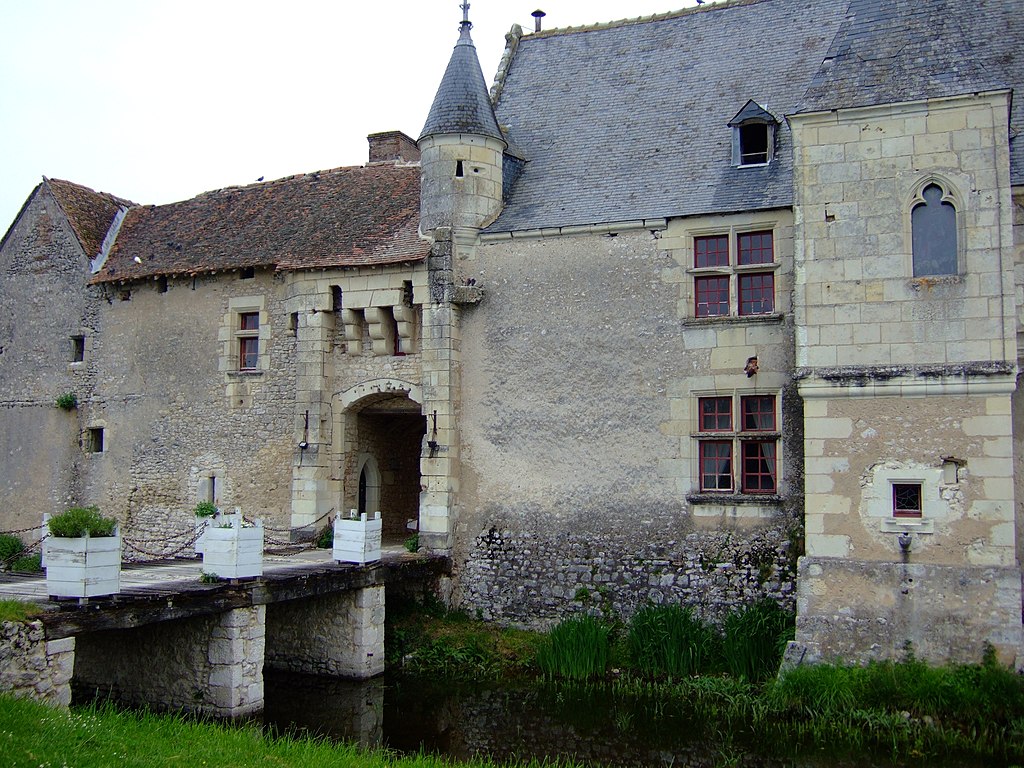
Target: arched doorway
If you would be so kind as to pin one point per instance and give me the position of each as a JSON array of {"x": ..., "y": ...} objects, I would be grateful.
[{"x": 383, "y": 431}]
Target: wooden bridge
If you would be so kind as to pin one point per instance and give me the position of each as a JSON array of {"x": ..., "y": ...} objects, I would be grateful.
[{"x": 170, "y": 641}]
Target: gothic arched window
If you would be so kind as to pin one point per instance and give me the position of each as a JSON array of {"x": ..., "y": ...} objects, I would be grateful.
[{"x": 933, "y": 232}]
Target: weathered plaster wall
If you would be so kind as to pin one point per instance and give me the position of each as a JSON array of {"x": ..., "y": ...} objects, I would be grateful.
[
  {"x": 853, "y": 441},
  {"x": 33, "y": 667},
  {"x": 574, "y": 472},
  {"x": 43, "y": 304},
  {"x": 171, "y": 414}
]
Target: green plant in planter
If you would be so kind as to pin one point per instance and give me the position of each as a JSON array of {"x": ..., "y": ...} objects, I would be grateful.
[
  {"x": 81, "y": 521},
  {"x": 68, "y": 401},
  {"x": 206, "y": 509}
]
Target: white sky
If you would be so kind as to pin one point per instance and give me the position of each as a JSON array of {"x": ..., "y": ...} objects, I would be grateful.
[{"x": 159, "y": 100}]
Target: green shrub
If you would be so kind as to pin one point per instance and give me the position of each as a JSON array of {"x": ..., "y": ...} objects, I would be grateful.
[
  {"x": 755, "y": 639},
  {"x": 205, "y": 509},
  {"x": 671, "y": 640},
  {"x": 81, "y": 521},
  {"x": 27, "y": 564},
  {"x": 325, "y": 539},
  {"x": 576, "y": 649},
  {"x": 10, "y": 547},
  {"x": 412, "y": 543},
  {"x": 68, "y": 401}
]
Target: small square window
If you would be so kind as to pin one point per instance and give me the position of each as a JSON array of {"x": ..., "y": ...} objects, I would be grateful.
[
  {"x": 94, "y": 440},
  {"x": 716, "y": 465},
  {"x": 246, "y": 273},
  {"x": 757, "y": 293},
  {"x": 77, "y": 349},
  {"x": 715, "y": 414},
  {"x": 758, "y": 413},
  {"x": 755, "y": 248},
  {"x": 758, "y": 466},
  {"x": 712, "y": 296},
  {"x": 711, "y": 251},
  {"x": 906, "y": 500}
]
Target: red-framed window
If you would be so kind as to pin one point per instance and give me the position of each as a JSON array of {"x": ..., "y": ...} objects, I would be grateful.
[
  {"x": 755, "y": 248},
  {"x": 758, "y": 413},
  {"x": 740, "y": 292},
  {"x": 248, "y": 340},
  {"x": 712, "y": 296},
  {"x": 716, "y": 465},
  {"x": 757, "y": 293},
  {"x": 750, "y": 441},
  {"x": 758, "y": 470},
  {"x": 906, "y": 500},
  {"x": 715, "y": 414},
  {"x": 712, "y": 251}
]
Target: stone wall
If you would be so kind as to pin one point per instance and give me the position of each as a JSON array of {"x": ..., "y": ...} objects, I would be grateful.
[
  {"x": 534, "y": 581},
  {"x": 580, "y": 375},
  {"x": 172, "y": 417},
  {"x": 210, "y": 664},
  {"x": 881, "y": 610},
  {"x": 340, "y": 635},
  {"x": 33, "y": 667},
  {"x": 858, "y": 175},
  {"x": 43, "y": 304}
]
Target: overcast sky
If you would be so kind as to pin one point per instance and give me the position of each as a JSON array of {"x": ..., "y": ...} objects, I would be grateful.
[{"x": 159, "y": 100}]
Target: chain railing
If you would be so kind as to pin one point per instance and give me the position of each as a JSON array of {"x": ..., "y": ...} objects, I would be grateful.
[{"x": 174, "y": 544}]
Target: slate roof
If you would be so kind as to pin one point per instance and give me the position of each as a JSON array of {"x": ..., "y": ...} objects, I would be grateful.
[
  {"x": 90, "y": 213},
  {"x": 462, "y": 103},
  {"x": 906, "y": 50},
  {"x": 337, "y": 218},
  {"x": 628, "y": 120}
]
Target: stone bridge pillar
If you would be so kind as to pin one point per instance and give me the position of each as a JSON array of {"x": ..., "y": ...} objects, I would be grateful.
[
  {"x": 211, "y": 664},
  {"x": 339, "y": 634}
]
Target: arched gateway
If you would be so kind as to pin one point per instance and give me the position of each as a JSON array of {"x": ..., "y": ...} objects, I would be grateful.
[{"x": 379, "y": 433}]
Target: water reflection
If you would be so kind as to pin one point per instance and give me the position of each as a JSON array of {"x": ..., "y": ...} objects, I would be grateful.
[{"x": 464, "y": 721}]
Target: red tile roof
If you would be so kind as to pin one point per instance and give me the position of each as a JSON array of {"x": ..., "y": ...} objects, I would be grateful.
[
  {"x": 90, "y": 213},
  {"x": 340, "y": 217}
]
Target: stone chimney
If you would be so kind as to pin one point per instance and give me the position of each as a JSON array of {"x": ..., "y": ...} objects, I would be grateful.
[{"x": 392, "y": 146}]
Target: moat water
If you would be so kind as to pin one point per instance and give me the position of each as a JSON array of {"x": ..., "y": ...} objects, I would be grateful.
[{"x": 411, "y": 715}]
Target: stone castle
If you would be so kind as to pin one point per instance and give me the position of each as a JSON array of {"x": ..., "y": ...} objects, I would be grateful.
[{"x": 699, "y": 308}]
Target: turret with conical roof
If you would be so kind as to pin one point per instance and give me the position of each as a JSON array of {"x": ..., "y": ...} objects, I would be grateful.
[{"x": 461, "y": 146}]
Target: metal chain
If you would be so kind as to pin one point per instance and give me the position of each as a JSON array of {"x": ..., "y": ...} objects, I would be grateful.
[{"x": 133, "y": 542}]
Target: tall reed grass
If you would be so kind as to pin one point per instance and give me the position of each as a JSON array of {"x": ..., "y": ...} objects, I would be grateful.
[
  {"x": 755, "y": 639},
  {"x": 576, "y": 649},
  {"x": 670, "y": 640}
]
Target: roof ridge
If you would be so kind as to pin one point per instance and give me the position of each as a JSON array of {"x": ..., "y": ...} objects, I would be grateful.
[
  {"x": 323, "y": 171},
  {"x": 714, "y": 5}
]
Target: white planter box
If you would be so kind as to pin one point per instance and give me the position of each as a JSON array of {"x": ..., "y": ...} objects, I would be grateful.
[
  {"x": 234, "y": 552},
  {"x": 83, "y": 567},
  {"x": 357, "y": 540}
]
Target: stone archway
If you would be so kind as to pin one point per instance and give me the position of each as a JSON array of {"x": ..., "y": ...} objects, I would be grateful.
[{"x": 382, "y": 425}]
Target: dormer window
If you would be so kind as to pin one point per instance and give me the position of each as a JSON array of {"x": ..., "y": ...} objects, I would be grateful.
[
  {"x": 753, "y": 135},
  {"x": 753, "y": 139}
]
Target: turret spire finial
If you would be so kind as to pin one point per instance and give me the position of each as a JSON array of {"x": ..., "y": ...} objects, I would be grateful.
[{"x": 465, "y": 13}]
